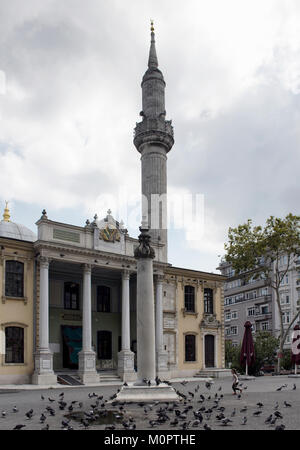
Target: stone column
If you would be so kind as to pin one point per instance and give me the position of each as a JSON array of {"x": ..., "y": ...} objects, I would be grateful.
[
  {"x": 87, "y": 357},
  {"x": 43, "y": 372},
  {"x": 126, "y": 356},
  {"x": 146, "y": 363},
  {"x": 161, "y": 354}
]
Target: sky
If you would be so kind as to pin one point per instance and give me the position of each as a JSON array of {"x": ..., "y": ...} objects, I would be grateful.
[{"x": 70, "y": 97}]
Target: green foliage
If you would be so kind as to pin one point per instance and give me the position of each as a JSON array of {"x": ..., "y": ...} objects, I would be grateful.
[
  {"x": 254, "y": 251},
  {"x": 232, "y": 355},
  {"x": 265, "y": 347},
  {"x": 286, "y": 360}
]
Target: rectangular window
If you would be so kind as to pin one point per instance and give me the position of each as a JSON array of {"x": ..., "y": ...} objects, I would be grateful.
[
  {"x": 190, "y": 347},
  {"x": 264, "y": 326},
  {"x": 14, "y": 345},
  {"x": 71, "y": 296},
  {"x": 233, "y": 330},
  {"x": 14, "y": 279},
  {"x": 264, "y": 309},
  {"x": 234, "y": 315},
  {"x": 227, "y": 331},
  {"x": 103, "y": 299},
  {"x": 251, "y": 311},
  {"x": 189, "y": 298},
  {"x": 208, "y": 301},
  {"x": 228, "y": 315}
]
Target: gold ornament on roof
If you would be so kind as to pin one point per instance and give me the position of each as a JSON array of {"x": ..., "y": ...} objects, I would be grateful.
[{"x": 6, "y": 215}]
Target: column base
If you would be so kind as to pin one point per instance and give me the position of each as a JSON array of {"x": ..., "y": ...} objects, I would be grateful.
[
  {"x": 162, "y": 364},
  {"x": 126, "y": 365},
  {"x": 43, "y": 372},
  {"x": 161, "y": 393},
  {"x": 87, "y": 367}
]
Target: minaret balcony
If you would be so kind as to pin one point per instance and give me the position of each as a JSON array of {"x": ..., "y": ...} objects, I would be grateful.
[{"x": 155, "y": 131}]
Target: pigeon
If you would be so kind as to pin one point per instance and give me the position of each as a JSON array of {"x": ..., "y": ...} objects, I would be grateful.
[
  {"x": 276, "y": 406},
  {"x": 268, "y": 419},
  {"x": 220, "y": 388},
  {"x": 207, "y": 427},
  {"x": 29, "y": 414},
  {"x": 244, "y": 409},
  {"x": 278, "y": 414},
  {"x": 233, "y": 413},
  {"x": 43, "y": 418},
  {"x": 259, "y": 404},
  {"x": 257, "y": 413},
  {"x": 280, "y": 427},
  {"x": 19, "y": 427},
  {"x": 287, "y": 405},
  {"x": 3, "y": 413},
  {"x": 42, "y": 397},
  {"x": 46, "y": 427},
  {"x": 226, "y": 421},
  {"x": 51, "y": 399},
  {"x": 15, "y": 409},
  {"x": 208, "y": 384},
  {"x": 294, "y": 387},
  {"x": 244, "y": 421}
]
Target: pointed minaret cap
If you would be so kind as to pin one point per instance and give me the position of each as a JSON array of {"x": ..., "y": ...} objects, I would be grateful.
[
  {"x": 152, "y": 61},
  {"x": 6, "y": 215}
]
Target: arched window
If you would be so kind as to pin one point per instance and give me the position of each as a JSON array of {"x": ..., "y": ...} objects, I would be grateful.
[
  {"x": 189, "y": 298},
  {"x": 103, "y": 299},
  {"x": 14, "y": 279},
  {"x": 190, "y": 347},
  {"x": 71, "y": 296},
  {"x": 14, "y": 345},
  {"x": 208, "y": 301}
]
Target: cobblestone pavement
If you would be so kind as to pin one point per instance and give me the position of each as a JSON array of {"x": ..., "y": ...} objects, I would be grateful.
[{"x": 91, "y": 405}]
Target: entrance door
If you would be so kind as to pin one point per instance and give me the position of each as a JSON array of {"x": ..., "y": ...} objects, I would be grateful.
[
  {"x": 72, "y": 344},
  {"x": 104, "y": 349},
  {"x": 209, "y": 350}
]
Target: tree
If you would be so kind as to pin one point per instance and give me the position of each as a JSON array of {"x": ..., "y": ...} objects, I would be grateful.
[
  {"x": 255, "y": 252},
  {"x": 265, "y": 346}
]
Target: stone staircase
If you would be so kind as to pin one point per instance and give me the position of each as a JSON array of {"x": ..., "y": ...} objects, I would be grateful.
[
  {"x": 213, "y": 373},
  {"x": 109, "y": 377}
]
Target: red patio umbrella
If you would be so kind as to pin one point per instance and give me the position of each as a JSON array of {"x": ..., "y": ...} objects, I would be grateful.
[
  {"x": 247, "y": 356},
  {"x": 296, "y": 347}
]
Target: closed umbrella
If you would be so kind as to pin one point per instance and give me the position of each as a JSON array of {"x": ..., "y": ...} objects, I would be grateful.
[
  {"x": 296, "y": 347},
  {"x": 247, "y": 356}
]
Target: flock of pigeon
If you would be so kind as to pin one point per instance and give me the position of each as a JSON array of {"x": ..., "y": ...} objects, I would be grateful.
[{"x": 193, "y": 410}]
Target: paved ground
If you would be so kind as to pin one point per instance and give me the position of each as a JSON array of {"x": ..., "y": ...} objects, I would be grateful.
[{"x": 145, "y": 417}]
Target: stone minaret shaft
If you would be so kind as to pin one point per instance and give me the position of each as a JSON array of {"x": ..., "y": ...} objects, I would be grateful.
[{"x": 154, "y": 139}]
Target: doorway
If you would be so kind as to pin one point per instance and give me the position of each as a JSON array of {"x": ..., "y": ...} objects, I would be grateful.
[
  {"x": 209, "y": 350},
  {"x": 72, "y": 344}
]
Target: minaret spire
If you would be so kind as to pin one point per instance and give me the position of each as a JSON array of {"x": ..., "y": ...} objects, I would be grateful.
[{"x": 152, "y": 61}]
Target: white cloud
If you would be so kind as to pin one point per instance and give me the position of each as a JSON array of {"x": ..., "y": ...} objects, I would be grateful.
[{"x": 72, "y": 98}]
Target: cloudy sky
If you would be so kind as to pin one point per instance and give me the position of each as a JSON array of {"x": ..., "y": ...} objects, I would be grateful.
[{"x": 70, "y": 74}]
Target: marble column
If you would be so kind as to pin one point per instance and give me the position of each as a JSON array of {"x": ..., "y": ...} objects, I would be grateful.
[
  {"x": 126, "y": 356},
  {"x": 161, "y": 354},
  {"x": 87, "y": 357},
  {"x": 43, "y": 372},
  {"x": 146, "y": 364}
]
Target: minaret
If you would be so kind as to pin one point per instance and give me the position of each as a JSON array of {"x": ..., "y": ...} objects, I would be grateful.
[{"x": 154, "y": 139}]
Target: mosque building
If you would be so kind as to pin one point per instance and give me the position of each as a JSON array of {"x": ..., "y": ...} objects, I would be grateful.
[{"x": 68, "y": 307}]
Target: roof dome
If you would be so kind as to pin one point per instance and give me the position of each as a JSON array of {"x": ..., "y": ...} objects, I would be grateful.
[{"x": 13, "y": 230}]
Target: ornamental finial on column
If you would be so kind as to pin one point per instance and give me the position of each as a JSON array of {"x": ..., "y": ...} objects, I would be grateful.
[{"x": 144, "y": 249}]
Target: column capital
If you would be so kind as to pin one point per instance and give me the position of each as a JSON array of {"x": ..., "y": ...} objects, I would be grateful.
[
  {"x": 159, "y": 278},
  {"x": 126, "y": 274},
  {"x": 44, "y": 261},
  {"x": 87, "y": 268}
]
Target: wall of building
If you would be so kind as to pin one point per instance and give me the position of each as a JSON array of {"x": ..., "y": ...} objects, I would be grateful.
[{"x": 17, "y": 311}]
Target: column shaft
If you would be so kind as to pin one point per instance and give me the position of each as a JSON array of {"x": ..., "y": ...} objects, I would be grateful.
[
  {"x": 125, "y": 312},
  {"x": 87, "y": 310}
]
